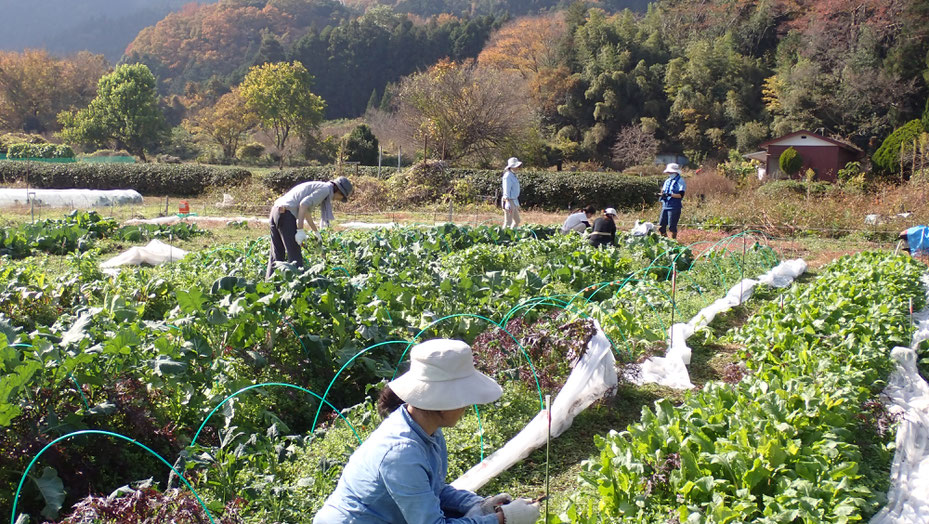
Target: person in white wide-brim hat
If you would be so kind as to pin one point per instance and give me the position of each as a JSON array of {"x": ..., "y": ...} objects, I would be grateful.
[
  {"x": 510, "y": 198},
  {"x": 671, "y": 196},
  {"x": 398, "y": 474}
]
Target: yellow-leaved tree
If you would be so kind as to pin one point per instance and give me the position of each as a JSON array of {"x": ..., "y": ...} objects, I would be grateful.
[
  {"x": 279, "y": 95},
  {"x": 226, "y": 122}
]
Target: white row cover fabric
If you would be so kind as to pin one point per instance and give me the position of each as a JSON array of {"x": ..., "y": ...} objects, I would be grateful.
[
  {"x": 193, "y": 219},
  {"x": 74, "y": 198},
  {"x": 907, "y": 395},
  {"x": 372, "y": 225},
  {"x": 671, "y": 369},
  {"x": 591, "y": 378},
  {"x": 154, "y": 253}
]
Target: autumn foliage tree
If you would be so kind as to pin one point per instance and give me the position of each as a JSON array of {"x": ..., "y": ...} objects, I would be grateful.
[
  {"x": 279, "y": 95},
  {"x": 226, "y": 122},
  {"x": 531, "y": 48},
  {"x": 525, "y": 46},
  {"x": 36, "y": 86},
  {"x": 463, "y": 110}
]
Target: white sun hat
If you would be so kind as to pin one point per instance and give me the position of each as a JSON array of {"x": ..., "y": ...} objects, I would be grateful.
[
  {"x": 673, "y": 168},
  {"x": 513, "y": 162},
  {"x": 442, "y": 377},
  {"x": 610, "y": 211}
]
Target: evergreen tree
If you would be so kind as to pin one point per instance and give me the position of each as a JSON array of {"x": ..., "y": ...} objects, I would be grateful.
[
  {"x": 270, "y": 51},
  {"x": 361, "y": 146},
  {"x": 372, "y": 101}
]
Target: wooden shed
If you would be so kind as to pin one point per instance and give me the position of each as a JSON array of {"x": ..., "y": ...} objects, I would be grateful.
[{"x": 826, "y": 156}]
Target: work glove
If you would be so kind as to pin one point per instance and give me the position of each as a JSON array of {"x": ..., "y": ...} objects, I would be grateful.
[
  {"x": 300, "y": 237},
  {"x": 489, "y": 505},
  {"x": 520, "y": 511},
  {"x": 319, "y": 236}
]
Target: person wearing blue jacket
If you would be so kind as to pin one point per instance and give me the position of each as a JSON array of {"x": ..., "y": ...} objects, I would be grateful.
[
  {"x": 671, "y": 197},
  {"x": 398, "y": 474}
]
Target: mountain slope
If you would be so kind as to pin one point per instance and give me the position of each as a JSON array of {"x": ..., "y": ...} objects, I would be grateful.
[{"x": 67, "y": 26}]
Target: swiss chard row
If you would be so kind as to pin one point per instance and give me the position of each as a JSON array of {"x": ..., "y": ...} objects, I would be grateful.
[{"x": 800, "y": 439}]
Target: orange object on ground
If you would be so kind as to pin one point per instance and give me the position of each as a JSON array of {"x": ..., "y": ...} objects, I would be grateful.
[{"x": 184, "y": 208}]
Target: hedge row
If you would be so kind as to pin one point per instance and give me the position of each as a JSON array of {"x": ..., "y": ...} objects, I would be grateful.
[
  {"x": 542, "y": 189},
  {"x": 148, "y": 179},
  {"x": 569, "y": 190},
  {"x": 24, "y": 150},
  {"x": 282, "y": 180}
]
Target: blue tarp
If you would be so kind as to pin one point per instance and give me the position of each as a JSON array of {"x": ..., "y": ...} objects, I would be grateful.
[{"x": 917, "y": 237}]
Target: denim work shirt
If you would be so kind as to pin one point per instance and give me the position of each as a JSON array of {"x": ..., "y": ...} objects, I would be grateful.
[
  {"x": 398, "y": 475},
  {"x": 674, "y": 184}
]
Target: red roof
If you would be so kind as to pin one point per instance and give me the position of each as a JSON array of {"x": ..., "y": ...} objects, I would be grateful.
[{"x": 844, "y": 145}]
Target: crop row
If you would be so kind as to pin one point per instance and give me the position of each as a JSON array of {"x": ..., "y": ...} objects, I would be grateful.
[
  {"x": 78, "y": 232},
  {"x": 800, "y": 439},
  {"x": 150, "y": 352}
]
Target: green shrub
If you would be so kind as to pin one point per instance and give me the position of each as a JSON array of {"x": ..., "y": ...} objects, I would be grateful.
[
  {"x": 563, "y": 190},
  {"x": 737, "y": 168},
  {"x": 790, "y": 161},
  {"x": 887, "y": 157},
  {"x": 361, "y": 146},
  {"x": 18, "y": 150},
  {"x": 148, "y": 179},
  {"x": 26, "y": 150},
  {"x": 284, "y": 179},
  {"x": 850, "y": 171},
  {"x": 251, "y": 151},
  {"x": 105, "y": 153},
  {"x": 8, "y": 139}
]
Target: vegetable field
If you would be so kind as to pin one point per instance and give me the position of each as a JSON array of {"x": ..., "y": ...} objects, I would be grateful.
[{"x": 201, "y": 392}]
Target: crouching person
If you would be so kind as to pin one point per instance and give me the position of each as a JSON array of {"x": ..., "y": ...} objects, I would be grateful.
[{"x": 398, "y": 474}]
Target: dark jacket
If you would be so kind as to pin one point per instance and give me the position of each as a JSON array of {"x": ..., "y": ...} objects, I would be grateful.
[{"x": 604, "y": 232}]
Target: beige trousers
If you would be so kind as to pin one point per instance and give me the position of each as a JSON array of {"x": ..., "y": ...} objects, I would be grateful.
[{"x": 510, "y": 215}]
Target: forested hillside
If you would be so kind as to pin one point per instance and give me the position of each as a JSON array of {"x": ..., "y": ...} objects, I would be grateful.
[
  {"x": 580, "y": 82},
  {"x": 67, "y": 26},
  {"x": 489, "y": 7}
]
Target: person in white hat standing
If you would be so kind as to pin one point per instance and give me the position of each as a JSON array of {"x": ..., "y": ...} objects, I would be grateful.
[
  {"x": 398, "y": 474},
  {"x": 293, "y": 208},
  {"x": 510, "y": 198},
  {"x": 671, "y": 196},
  {"x": 604, "y": 229}
]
